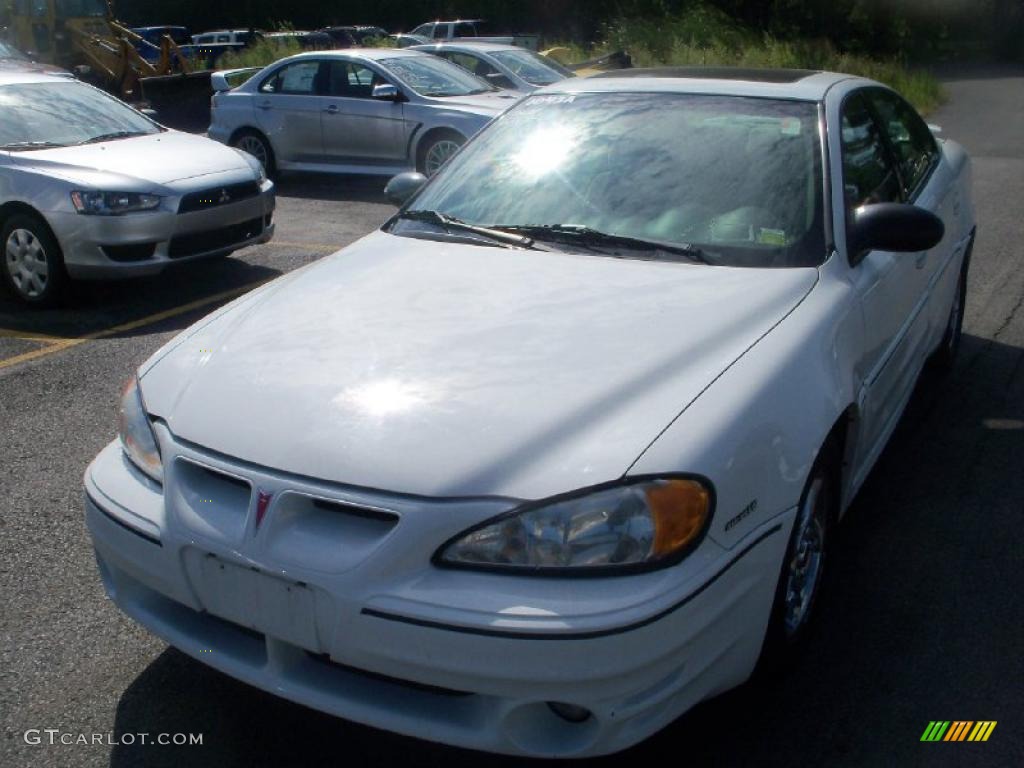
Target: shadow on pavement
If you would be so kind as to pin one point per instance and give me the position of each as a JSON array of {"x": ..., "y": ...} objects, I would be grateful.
[
  {"x": 322, "y": 186},
  {"x": 96, "y": 306},
  {"x": 919, "y": 621}
]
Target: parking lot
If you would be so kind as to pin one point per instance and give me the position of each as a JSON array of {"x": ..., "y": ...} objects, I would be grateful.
[{"x": 923, "y": 619}]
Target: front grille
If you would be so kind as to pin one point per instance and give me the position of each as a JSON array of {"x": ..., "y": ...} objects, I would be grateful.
[
  {"x": 127, "y": 253},
  {"x": 217, "y": 196},
  {"x": 324, "y": 658},
  {"x": 214, "y": 239}
]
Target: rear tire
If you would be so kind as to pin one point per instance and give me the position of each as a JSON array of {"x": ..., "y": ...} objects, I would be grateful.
[
  {"x": 33, "y": 263},
  {"x": 945, "y": 355},
  {"x": 255, "y": 143}
]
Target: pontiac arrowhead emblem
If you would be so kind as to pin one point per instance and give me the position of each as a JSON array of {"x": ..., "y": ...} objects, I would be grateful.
[{"x": 262, "y": 503}]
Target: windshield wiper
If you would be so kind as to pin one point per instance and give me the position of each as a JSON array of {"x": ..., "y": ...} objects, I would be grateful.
[
  {"x": 588, "y": 237},
  {"x": 14, "y": 146},
  {"x": 450, "y": 223},
  {"x": 113, "y": 135}
]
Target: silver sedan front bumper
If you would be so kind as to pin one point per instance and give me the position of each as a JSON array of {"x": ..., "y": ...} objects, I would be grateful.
[{"x": 110, "y": 247}]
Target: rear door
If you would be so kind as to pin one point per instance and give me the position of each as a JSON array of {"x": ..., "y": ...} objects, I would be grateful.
[
  {"x": 887, "y": 283},
  {"x": 288, "y": 104},
  {"x": 358, "y": 128}
]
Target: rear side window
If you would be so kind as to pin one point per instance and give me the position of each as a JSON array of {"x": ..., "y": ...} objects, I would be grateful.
[
  {"x": 910, "y": 138},
  {"x": 868, "y": 173},
  {"x": 300, "y": 78}
]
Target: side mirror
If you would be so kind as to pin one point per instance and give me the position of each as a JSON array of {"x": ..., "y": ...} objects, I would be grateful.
[
  {"x": 403, "y": 186},
  {"x": 896, "y": 227},
  {"x": 387, "y": 92}
]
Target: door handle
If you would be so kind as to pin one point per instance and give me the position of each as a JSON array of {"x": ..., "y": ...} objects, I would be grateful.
[
  {"x": 264, "y": 105},
  {"x": 332, "y": 109}
]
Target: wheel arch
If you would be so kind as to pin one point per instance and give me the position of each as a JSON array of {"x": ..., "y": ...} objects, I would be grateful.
[{"x": 423, "y": 139}]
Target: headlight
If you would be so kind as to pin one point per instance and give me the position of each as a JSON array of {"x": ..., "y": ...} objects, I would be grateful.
[
  {"x": 256, "y": 165},
  {"x": 113, "y": 203},
  {"x": 647, "y": 523},
  {"x": 137, "y": 438}
]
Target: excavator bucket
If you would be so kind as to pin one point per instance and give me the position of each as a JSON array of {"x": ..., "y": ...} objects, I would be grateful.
[{"x": 180, "y": 100}]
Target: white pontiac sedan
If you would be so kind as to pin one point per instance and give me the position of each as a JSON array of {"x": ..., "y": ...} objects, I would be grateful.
[{"x": 558, "y": 452}]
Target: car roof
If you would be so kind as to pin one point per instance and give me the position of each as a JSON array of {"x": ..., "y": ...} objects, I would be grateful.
[
  {"x": 27, "y": 76},
  {"x": 371, "y": 54},
  {"x": 797, "y": 84},
  {"x": 455, "y": 45}
]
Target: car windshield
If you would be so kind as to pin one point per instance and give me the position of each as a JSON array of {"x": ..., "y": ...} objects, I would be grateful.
[
  {"x": 73, "y": 9},
  {"x": 9, "y": 52},
  {"x": 736, "y": 181},
  {"x": 431, "y": 76},
  {"x": 533, "y": 67},
  {"x": 38, "y": 115}
]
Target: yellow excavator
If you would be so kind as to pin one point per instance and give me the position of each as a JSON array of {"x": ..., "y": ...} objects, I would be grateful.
[{"x": 84, "y": 36}]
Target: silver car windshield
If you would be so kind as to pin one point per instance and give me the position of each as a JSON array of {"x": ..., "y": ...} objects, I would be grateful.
[
  {"x": 8, "y": 52},
  {"x": 737, "y": 181},
  {"x": 38, "y": 115},
  {"x": 532, "y": 67},
  {"x": 432, "y": 76}
]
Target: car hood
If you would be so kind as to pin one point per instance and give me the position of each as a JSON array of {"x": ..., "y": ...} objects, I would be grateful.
[
  {"x": 491, "y": 104},
  {"x": 445, "y": 369},
  {"x": 160, "y": 158}
]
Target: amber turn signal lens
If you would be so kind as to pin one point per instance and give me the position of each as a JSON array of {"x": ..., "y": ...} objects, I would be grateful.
[{"x": 680, "y": 509}]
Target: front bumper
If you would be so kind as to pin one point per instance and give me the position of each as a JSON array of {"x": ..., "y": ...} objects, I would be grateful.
[
  {"x": 350, "y": 618},
  {"x": 134, "y": 245}
]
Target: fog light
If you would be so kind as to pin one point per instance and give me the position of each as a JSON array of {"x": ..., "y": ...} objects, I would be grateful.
[{"x": 569, "y": 712}]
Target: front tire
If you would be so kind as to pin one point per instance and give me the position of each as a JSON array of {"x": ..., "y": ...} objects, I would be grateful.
[
  {"x": 803, "y": 567},
  {"x": 437, "y": 150},
  {"x": 33, "y": 263}
]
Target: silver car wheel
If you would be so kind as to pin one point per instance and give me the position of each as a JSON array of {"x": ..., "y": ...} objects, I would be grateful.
[
  {"x": 803, "y": 571},
  {"x": 439, "y": 153},
  {"x": 26, "y": 263},
  {"x": 254, "y": 146}
]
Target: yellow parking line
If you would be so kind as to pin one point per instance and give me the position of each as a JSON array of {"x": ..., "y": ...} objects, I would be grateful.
[{"x": 57, "y": 344}]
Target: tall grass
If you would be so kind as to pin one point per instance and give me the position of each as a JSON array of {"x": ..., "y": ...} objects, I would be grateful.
[
  {"x": 705, "y": 36},
  {"x": 261, "y": 53}
]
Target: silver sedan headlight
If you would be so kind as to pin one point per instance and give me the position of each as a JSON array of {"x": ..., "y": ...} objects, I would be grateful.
[
  {"x": 643, "y": 524},
  {"x": 113, "y": 203},
  {"x": 136, "y": 432}
]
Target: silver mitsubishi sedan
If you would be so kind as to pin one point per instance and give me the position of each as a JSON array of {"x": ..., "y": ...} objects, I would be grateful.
[
  {"x": 373, "y": 110},
  {"x": 92, "y": 189}
]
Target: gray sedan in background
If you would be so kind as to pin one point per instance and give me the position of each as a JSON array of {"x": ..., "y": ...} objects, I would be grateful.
[
  {"x": 505, "y": 66},
  {"x": 375, "y": 110},
  {"x": 91, "y": 188}
]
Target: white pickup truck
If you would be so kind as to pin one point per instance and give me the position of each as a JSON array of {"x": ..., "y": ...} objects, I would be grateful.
[{"x": 473, "y": 30}]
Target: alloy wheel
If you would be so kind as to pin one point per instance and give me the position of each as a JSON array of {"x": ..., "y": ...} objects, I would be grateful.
[{"x": 438, "y": 155}]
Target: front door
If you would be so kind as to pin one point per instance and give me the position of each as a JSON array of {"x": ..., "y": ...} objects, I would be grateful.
[
  {"x": 358, "y": 128},
  {"x": 888, "y": 283}
]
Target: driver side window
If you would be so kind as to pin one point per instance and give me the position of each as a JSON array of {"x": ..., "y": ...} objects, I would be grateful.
[{"x": 868, "y": 172}]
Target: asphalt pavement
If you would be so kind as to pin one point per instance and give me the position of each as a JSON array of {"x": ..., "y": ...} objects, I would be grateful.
[{"x": 924, "y": 617}]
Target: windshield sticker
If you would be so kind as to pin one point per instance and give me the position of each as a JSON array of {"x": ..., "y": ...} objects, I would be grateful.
[
  {"x": 537, "y": 101},
  {"x": 790, "y": 126},
  {"x": 771, "y": 236}
]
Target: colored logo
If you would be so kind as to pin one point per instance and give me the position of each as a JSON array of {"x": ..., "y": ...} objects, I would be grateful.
[
  {"x": 958, "y": 730},
  {"x": 225, "y": 197},
  {"x": 262, "y": 503}
]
